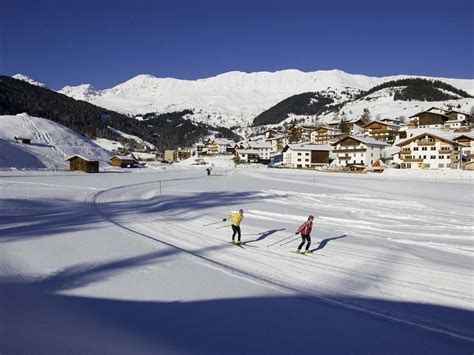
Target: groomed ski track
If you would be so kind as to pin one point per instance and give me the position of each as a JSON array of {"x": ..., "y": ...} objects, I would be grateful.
[{"x": 182, "y": 229}]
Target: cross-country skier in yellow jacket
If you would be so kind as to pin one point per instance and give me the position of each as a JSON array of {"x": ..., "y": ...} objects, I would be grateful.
[{"x": 236, "y": 218}]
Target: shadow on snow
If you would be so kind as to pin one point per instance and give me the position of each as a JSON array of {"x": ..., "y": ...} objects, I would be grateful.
[{"x": 35, "y": 320}]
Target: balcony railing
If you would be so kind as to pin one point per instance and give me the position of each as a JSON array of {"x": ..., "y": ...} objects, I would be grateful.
[
  {"x": 423, "y": 142},
  {"x": 412, "y": 160}
]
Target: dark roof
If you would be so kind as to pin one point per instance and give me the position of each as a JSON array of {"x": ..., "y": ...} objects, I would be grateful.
[
  {"x": 462, "y": 113},
  {"x": 431, "y": 113}
]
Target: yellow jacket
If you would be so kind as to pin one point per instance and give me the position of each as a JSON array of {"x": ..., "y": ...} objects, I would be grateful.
[{"x": 236, "y": 218}]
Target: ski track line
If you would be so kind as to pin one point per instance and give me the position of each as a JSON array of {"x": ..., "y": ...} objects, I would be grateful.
[
  {"x": 338, "y": 186},
  {"x": 273, "y": 283},
  {"x": 368, "y": 276},
  {"x": 52, "y": 185}
]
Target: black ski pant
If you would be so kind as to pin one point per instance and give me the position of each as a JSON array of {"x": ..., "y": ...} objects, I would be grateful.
[
  {"x": 236, "y": 230},
  {"x": 305, "y": 238}
]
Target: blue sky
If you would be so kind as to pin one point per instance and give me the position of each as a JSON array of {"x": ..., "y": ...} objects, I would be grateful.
[{"x": 69, "y": 42}]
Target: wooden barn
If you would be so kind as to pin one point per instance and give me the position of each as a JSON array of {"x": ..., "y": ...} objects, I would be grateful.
[
  {"x": 79, "y": 163},
  {"x": 123, "y": 161}
]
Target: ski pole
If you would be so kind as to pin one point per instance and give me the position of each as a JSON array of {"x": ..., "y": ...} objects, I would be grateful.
[
  {"x": 279, "y": 241},
  {"x": 210, "y": 224},
  {"x": 290, "y": 241},
  {"x": 222, "y": 227}
]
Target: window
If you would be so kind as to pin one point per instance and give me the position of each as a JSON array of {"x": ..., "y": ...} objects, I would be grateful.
[
  {"x": 362, "y": 162},
  {"x": 371, "y": 154},
  {"x": 306, "y": 153},
  {"x": 299, "y": 153},
  {"x": 299, "y": 159},
  {"x": 424, "y": 156},
  {"x": 433, "y": 148},
  {"x": 433, "y": 157},
  {"x": 424, "y": 148},
  {"x": 415, "y": 148},
  {"x": 440, "y": 165}
]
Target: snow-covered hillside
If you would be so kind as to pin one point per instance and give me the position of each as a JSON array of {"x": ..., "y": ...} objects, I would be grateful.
[
  {"x": 381, "y": 104},
  {"x": 229, "y": 99},
  {"x": 51, "y": 144}
]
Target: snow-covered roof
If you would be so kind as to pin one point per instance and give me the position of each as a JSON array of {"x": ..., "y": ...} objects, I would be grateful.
[
  {"x": 223, "y": 141},
  {"x": 443, "y": 137},
  {"x": 390, "y": 124},
  {"x": 307, "y": 147},
  {"x": 363, "y": 139},
  {"x": 260, "y": 145},
  {"x": 77, "y": 156},
  {"x": 123, "y": 157}
]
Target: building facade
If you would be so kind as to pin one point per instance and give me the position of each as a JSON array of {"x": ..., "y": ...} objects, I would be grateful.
[
  {"x": 305, "y": 155},
  {"x": 359, "y": 150},
  {"x": 428, "y": 151}
]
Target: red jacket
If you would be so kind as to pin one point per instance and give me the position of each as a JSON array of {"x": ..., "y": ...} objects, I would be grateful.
[{"x": 305, "y": 228}]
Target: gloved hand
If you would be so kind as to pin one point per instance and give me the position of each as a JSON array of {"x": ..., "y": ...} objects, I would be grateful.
[
  {"x": 296, "y": 232},
  {"x": 224, "y": 219}
]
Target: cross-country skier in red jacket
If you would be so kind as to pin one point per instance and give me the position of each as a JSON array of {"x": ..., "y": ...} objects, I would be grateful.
[{"x": 305, "y": 230}]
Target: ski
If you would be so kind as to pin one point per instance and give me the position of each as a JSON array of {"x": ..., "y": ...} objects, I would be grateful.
[
  {"x": 304, "y": 254},
  {"x": 237, "y": 245}
]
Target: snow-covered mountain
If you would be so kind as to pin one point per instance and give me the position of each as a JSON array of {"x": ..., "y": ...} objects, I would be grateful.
[
  {"x": 232, "y": 98},
  {"x": 51, "y": 144},
  {"x": 28, "y": 80}
]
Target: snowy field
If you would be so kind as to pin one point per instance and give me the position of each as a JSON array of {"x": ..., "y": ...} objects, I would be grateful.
[{"x": 116, "y": 263}]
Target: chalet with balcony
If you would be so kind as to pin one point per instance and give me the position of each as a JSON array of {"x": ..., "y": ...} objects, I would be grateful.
[
  {"x": 467, "y": 146},
  {"x": 220, "y": 146},
  {"x": 432, "y": 118},
  {"x": 263, "y": 148},
  {"x": 325, "y": 135},
  {"x": 428, "y": 151},
  {"x": 305, "y": 155},
  {"x": 355, "y": 126},
  {"x": 458, "y": 115},
  {"x": 278, "y": 142},
  {"x": 359, "y": 150},
  {"x": 382, "y": 131},
  {"x": 247, "y": 155}
]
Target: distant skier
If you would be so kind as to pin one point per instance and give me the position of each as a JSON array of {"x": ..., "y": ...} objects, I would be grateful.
[
  {"x": 209, "y": 169},
  {"x": 237, "y": 217},
  {"x": 305, "y": 230}
]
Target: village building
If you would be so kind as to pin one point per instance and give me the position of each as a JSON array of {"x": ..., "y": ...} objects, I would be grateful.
[
  {"x": 455, "y": 124},
  {"x": 305, "y": 155},
  {"x": 278, "y": 142},
  {"x": 299, "y": 133},
  {"x": 170, "y": 155},
  {"x": 122, "y": 161},
  {"x": 428, "y": 151},
  {"x": 247, "y": 155},
  {"x": 382, "y": 131},
  {"x": 220, "y": 146},
  {"x": 432, "y": 118},
  {"x": 263, "y": 148},
  {"x": 359, "y": 150},
  {"x": 458, "y": 115},
  {"x": 467, "y": 145},
  {"x": 354, "y": 126},
  {"x": 325, "y": 135},
  {"x": 79, "y": 163},
  {"x": 141, "y": 156}
]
